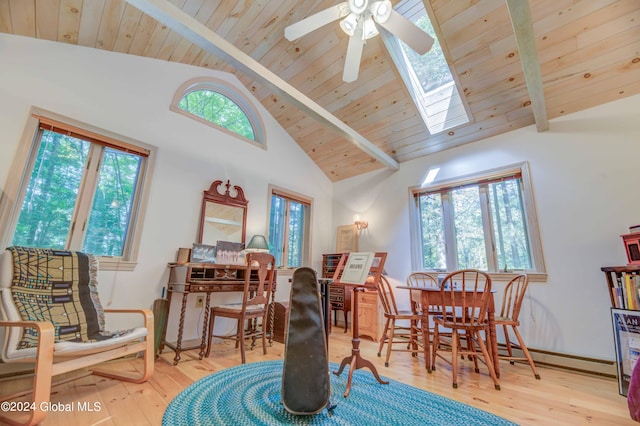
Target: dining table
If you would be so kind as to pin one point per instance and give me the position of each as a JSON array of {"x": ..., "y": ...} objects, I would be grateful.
[{"x": 429, "y": 296}]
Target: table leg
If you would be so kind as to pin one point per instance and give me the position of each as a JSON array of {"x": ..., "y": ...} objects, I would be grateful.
[
  {"x": 204, "y": 342},
  {"x": 426, "y": 339},
  {"x": 355, "y": 360},
  {"x": 493, "y": 341},
  {"x": 183, "y": 309}
]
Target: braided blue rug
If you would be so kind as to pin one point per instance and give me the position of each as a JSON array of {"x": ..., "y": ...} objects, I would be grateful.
[{"x": 249, "y": 394}]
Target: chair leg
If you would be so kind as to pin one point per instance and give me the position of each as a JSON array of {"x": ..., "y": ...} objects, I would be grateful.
[
  {"x": 264, "y": 335},
  {"x": 241, "y": 340},
  {"x": 384, "y": 336},
  {"x": 507, "y": 342},
  {"x": 487, "y": 359},
  {"x": 455, "y": 341},
  {"x": 392, "y": 330},
  {"x": 527, "y": 355}
]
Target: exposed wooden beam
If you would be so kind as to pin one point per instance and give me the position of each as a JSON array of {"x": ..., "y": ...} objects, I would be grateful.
[
  {"x": 525, "y": 39},
  {"x": 196, "y": 32}
]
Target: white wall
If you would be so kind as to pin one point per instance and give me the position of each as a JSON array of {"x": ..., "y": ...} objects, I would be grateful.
[
  {"x": 584, "y": 175},
  {"x": 130, "y": 96}
]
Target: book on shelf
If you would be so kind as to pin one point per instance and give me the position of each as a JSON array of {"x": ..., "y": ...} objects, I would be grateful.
[
  {"x": 626, "y": 292},
  {"x": 634, "y": 229}
]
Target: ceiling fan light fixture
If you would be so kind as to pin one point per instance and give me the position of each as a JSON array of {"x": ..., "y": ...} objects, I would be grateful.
[
  {"x": 349, "y": 24},
  {"x": 369, "y": 29},
  {"x": 381, "y": 11},
  {"x": 358, "y": 6}
]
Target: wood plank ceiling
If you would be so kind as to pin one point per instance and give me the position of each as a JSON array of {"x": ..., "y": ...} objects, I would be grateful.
[{"x": 588, "y": 53}]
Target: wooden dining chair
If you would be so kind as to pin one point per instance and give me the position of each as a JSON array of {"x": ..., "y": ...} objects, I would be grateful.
[
  {"x": 252, "y": 313},
  {"x": 408, "y": 332},
  {"x": 464, "y": 301},
  {"x": 509, "y": 313},
  {"x": 420, "y": 279}
]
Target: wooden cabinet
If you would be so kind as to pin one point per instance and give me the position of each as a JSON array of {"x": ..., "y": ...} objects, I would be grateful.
[{"x": 370, "y": 315}]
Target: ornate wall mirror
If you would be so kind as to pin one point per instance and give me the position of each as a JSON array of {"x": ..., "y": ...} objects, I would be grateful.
[{"x": 224, "y": 214}]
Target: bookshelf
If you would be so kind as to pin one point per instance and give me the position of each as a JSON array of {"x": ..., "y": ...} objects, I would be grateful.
[
  {"x": 624, "y": 286},
  {"x": 624, "y": 291}
]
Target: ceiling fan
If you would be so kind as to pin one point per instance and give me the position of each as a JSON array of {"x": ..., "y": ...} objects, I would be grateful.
[{"x": 361, "y": 18}]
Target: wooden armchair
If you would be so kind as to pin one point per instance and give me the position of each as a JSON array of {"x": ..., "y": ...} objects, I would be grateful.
[{"x": 34, "y": 331}]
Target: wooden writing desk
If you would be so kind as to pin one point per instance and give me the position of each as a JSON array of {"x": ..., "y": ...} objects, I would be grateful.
[
  {"x": 427, "y": 296},
  {"x": 207, "y": 278}
]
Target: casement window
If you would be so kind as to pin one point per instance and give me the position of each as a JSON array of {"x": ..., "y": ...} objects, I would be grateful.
[
  {"x": 486, "y": 221},
  {"x": 81, "y": 189},
  {"x": 214, "y": 103},
  {"x": 289, "y": 228}
]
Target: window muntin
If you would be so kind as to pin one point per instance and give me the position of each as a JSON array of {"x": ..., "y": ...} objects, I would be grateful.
[
  {"x": 213, "y": 102},
  {"x": 82, "y": 189},
  {"x": 484, "y": 222},
  {"x": 289, "y": 227}
]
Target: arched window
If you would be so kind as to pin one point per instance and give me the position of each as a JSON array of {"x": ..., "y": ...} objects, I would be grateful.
[{"x": 213, "y": 103}]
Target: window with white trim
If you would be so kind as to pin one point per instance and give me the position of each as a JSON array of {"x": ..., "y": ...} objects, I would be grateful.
[
  {"x": 485, "y": 221},
  {"x": 289, "y": 228},
  {"x": 81, "y": 189},
  {"x": 214, "y": 103}
]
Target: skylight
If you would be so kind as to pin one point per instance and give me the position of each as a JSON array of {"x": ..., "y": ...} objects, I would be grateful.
[{"x": 427, "y": 77}]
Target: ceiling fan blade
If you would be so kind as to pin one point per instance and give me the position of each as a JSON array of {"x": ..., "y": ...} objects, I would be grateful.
[
  {"x": 352, "y": 59},
  {"x": 313, "y": 22},
  {"x": 408, "y": 32}
]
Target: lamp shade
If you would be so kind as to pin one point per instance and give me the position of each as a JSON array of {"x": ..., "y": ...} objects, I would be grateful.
[{"x": 258, "y": 242}]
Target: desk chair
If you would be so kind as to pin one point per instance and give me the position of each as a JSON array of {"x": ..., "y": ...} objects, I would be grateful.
[
  {"x": 511, "y": 303},
  {"x": 410, "y": 336},
  {"x": 253, "y": 310},
  {"x": 464, "y": 301}
]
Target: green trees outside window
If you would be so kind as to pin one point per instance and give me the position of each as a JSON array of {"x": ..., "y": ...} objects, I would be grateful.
[{"x": 69, "y": 204}]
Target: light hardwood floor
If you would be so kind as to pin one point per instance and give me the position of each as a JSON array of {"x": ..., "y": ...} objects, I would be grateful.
[{"x": 560, "y": 398}]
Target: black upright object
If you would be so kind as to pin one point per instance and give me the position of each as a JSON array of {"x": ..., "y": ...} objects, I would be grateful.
[{"x": 305, "y": 376}]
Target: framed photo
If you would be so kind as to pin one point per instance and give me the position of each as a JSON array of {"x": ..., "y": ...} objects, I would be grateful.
[
  {"x": 230, "y": 253},
  {"x": 626, "y": 332},
  {"x": 357, "y": 268},
  {"x": 347, "y": 239},
  {"x": 202, "y": 253}
]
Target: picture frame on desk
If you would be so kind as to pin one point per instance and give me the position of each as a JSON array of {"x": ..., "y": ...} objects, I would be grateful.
[
  {"x": 230, "y": 253},
  {"x": 347, "y": 239},
  {"x": 203, "y": 253},
  {"x": 626, "y": 332}
]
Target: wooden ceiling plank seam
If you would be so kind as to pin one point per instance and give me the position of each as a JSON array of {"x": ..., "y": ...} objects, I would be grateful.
[
  {"x": 613, "y": 93},
  {"x": 590, "y": 59},
  {"x": 199, "y": 34},
  {"x": 628, "y": 18},
  {"x": 159, "y": 35},
  {"x": 89, "y": 23},
  {"x": 69, "y": 21},
  {"x": 46, "y": 27},
  {"x": 142, "y": 35},
  {"x": 23, "y": 17},
  {"x": 520, "y": 14},
  {"x": 110, "y": 24},
  {"x": 173, "y": 39},
  {"x": 610, "y": 76},
  {"x": 128, "y": 25}
]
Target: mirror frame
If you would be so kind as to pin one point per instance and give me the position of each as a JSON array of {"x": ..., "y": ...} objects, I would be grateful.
[{"x": 213, "y": 195}]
